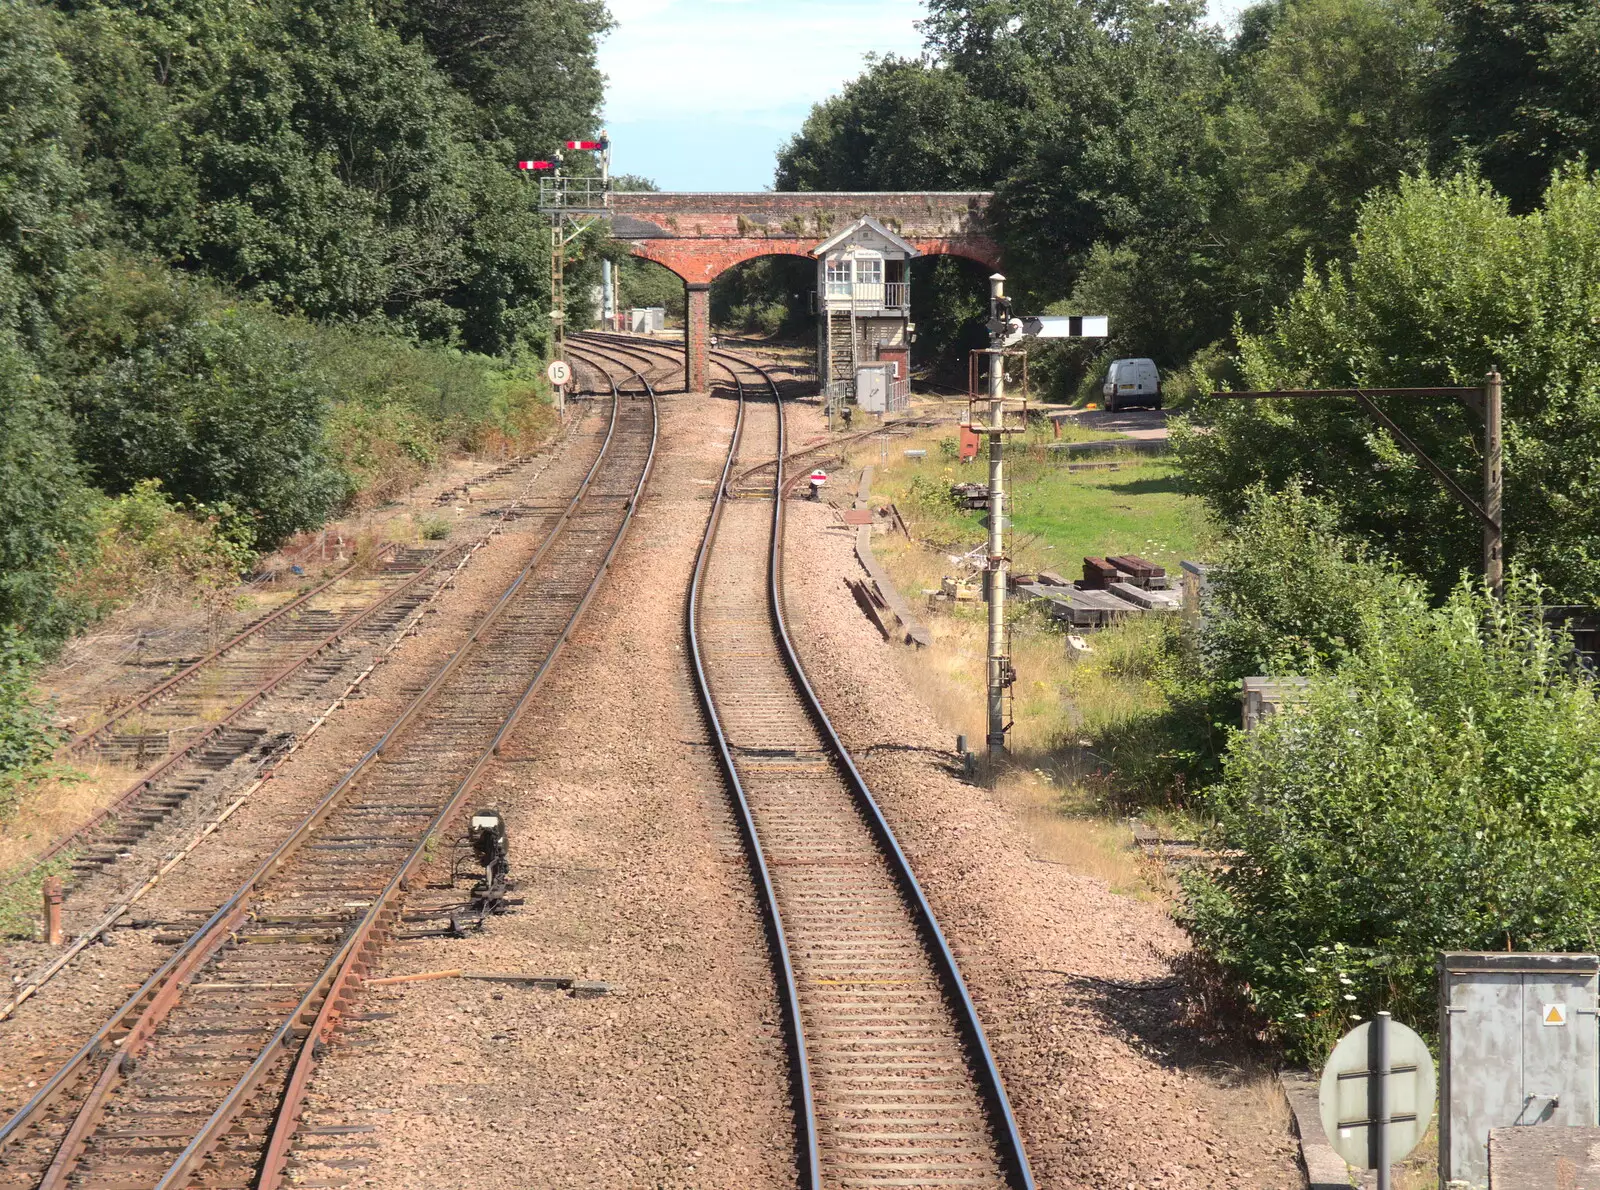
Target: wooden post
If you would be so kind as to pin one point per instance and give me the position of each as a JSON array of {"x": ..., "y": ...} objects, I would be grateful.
[
  {"x": 52, "y": 910},
  {"x": 1493, "y": 535}
]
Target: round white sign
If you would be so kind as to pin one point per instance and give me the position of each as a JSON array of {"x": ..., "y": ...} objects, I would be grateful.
[
  {"x": 559, "y": 371},
  {"x": 1346, "y": 1101}
]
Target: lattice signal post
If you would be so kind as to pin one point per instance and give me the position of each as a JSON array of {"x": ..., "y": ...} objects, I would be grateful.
[
  {"x": 574, "y": 204},
  {"x": 1002, "y": 416}
]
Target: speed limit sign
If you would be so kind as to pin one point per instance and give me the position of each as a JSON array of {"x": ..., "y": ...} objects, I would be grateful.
[{"x": 559, "y": 371}]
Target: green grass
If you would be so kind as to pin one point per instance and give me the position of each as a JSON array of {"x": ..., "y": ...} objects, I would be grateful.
[{"x": 1058, "y": 516}]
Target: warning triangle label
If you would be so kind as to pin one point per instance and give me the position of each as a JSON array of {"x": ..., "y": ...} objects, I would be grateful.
[{"x": 1555, "y": 1014}]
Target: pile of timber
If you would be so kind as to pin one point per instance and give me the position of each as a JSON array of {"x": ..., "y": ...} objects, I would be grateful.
[{"x": 1111, "y": 589}]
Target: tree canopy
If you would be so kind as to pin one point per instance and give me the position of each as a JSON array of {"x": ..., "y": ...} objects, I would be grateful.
[{"x": 199, "y": 200}]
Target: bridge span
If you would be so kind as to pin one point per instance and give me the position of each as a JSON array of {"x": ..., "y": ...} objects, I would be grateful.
[{"x": 699, "y": 236}]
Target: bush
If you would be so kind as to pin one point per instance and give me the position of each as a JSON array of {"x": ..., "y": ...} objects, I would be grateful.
[
  {"x": 148, "y": 545},
  {"x": 44, "y": 530},
  {"x": 1438, "y": 789},
  {"x": 1287, "y": 595},
  {"x": 26, "y": 737},
  {"x": 223, "y": 410}
]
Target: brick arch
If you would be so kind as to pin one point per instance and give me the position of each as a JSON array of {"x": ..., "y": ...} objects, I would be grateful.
[
  {"x": 701, "y": 236},
  {"x": 700, "y": 262},
  {"x": 980, "y": 250}
]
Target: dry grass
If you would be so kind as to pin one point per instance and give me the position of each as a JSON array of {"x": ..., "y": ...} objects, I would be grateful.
[
  {"x": 56, "y": 805},
  {"x": 1050, "y": 788},
  {"x": 1066, "y": 830},
  {"x": 1061, "y": 700}
]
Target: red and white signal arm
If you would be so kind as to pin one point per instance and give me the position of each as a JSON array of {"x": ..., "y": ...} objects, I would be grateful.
[
  {"x": 819, "y": 477},
  {"x": 585, "y": 144},
  {"x": 536, "y": 165}
]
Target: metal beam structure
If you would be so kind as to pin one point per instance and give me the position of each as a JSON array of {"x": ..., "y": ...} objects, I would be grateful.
[{"x": 1485, "y": 401}]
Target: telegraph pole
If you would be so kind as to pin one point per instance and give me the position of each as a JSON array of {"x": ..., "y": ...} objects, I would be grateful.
[{"x": 1000, "y": 673}]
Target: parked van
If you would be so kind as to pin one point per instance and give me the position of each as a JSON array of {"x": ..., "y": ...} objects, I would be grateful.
[{"x": 1132, "y": 382}]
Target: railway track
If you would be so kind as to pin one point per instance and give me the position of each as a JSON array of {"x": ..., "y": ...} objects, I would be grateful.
[
  {"x": 801, "y": 379},
  {"x": 894, "y": 1082},
  {"x": 206, "y": 717},
  {"x": 199, "y": 1077}
]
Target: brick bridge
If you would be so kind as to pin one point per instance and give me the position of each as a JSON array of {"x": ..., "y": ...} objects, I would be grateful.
[{"x": 698, "y": 236}]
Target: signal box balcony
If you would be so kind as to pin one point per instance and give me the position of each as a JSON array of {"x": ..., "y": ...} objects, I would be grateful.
[{"x": 867, "y": 297}]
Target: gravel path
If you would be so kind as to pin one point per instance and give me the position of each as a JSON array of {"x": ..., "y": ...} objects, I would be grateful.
[
  {"x": 1073, "y": 982},
  {"x": 631, "y": 873}
]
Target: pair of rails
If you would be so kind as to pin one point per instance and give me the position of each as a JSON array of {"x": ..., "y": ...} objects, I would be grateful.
[{"x": 200, "y": 1076}]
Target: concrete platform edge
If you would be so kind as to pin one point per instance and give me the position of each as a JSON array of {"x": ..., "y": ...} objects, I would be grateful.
[{"x": 1324, "y": 1169}]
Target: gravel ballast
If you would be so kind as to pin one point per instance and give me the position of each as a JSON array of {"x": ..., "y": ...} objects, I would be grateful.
[
  {"x": 631, "y": 873},
  {"x": 1072, "y": 981}
]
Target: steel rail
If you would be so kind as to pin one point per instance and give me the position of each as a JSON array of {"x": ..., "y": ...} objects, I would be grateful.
[
  {"x": 162, "y": 985},
  {"x": 986, "y": 1073},
  {"x": 353, "y": 958},
  {"x": 834, "y": 442},
  {"x": 789, "y": 989},
  {"x": 650, "y": 352},
  {"x": 261, "y": 691},
  {"x": 992, "y": 1085},
  {"x": 83, "y": 739},
  {"x": 25, "y": 990}
]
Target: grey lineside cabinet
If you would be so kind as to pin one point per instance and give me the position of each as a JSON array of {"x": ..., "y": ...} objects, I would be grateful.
[{"x": 1517, "y": 1040}]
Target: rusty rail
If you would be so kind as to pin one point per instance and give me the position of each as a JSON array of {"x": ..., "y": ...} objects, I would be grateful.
[{"x": 156, "y": 996}]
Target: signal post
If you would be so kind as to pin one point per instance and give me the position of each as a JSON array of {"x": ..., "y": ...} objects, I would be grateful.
[
  {"x": 574, "y": 204},
  {"x": 1005, "y": 333}
]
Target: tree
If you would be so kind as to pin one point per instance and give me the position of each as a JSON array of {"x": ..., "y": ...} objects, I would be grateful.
[
  {"x": 1437, "y": 791},
  {"x": 904, "y": 124},
  {"x": 1520, "y": 93},
  {"x": 1445, "y": 284},
  {"x": 44, "y": 526},
  {"x": 45, "y": 215},
  {"x": 220, "y": 402},
  {"x": 528, "y": 65},
  {"x": 1327, "y": 102}
]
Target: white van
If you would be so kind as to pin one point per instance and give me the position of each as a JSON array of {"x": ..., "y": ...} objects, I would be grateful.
[{"x": 1132, "y": 382}]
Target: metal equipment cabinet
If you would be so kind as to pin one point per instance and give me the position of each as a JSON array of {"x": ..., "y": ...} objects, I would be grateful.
[{"x": 1517, "y": 1043}]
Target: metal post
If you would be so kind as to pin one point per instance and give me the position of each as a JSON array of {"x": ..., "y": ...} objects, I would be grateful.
[
  {"x": 558, "y": 299},
  {"x": 52, "y": 910},
  {"x": 1378, "y": 1098},
  {"x": 1493, "y": 535},
  {"x": 998, "y": 661}
]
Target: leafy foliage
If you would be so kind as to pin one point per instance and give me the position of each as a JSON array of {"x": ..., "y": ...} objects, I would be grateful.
[
  {"x": 767, "y": 295},
  {"x": 148, "y": 545},
  {"x": 1446, "y": 283},
  {"x": 1287, "y": 594},
  {"x": 26, "y": 738},
  {"x": 217, "y": 402},
  {"x": 44, "y": 527},
  {"x": 45, "y": 213},
  {"x": 1520, "y": 89},
  {"x": 528, "y": 65},
  {"x": 1437, "y": 790}
]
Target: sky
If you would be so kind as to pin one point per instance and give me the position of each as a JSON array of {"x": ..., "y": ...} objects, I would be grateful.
[{"x": 703, "y": 93}]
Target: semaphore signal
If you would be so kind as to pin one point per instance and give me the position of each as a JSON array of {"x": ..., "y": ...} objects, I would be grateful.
[{"x": 536, "y": 165}]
